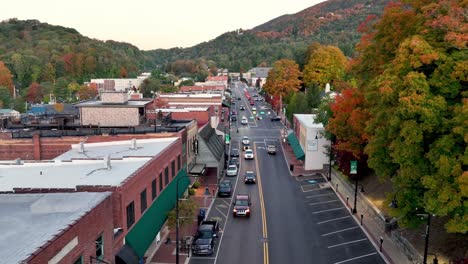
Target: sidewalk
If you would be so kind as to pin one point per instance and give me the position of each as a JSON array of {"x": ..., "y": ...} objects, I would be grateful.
[
  {"x": 165, "y": 253},
  {"x": 371, "y": 226}
]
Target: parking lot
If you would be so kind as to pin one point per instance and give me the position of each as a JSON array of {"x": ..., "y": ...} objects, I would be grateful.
[{"x": 332, "y": 217}]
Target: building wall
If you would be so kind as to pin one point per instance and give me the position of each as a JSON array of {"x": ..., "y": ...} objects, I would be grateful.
[
  {"x": 109, "y": 116},
  {"x": 87, "y": 229},
  {"x": 113, "y": 97},
  {"x": 141, "y": 180},
  {"x": 201, "y": 117}
]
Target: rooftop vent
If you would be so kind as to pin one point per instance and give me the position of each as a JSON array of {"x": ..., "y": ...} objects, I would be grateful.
[
  {"x": 81, "y": 148},
  {"x": 107, "y": 162},
  {"x": 134, "y": 145}
]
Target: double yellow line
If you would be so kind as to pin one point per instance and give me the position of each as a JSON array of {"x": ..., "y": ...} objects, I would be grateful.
[{"x": 262, "y": 209}]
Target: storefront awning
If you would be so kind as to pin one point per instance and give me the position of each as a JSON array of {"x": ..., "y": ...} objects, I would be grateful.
[
  {"x": 126, "y": 255},
  {"x": 296, "y": 146},
  {"x": 198, "y": 169}
]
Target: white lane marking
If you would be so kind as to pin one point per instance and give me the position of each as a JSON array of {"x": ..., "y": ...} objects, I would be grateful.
[
  {"x": 351, "y": 259},
  {"x": 221, "y": 212},
  {"x": 194, "y": 257},
  {"x": 350, "y": 242},
  {"x": 325, "y": 202},
  {"x": 308, "y": 197},
  {"x": 342, "y": 230},
  {"x": 318, "y": 212},
  {"x": 334, "y": 219},
  {"x": 312, "y": 190}
]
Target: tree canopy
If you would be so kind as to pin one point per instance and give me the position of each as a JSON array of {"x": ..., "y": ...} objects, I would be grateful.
[{"x": 283, "y": 78}]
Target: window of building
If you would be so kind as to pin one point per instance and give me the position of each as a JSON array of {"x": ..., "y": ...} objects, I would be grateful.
[
  {"x": 130, "y": 214},
  {"x": 178, "y": 163},
  {"x": 173, "y": 169},
  {"x": 79, "y": 260},
  {"x": 160, "y": 182},
  {"x": 153, "y": 189},
  {"x": 143, "y": 203},
  {"x": 99, "y": 247},
  {"x": 166, "y": 175}
]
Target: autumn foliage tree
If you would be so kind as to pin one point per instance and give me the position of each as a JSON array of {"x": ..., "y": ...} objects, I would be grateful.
[
  {"x": 35, "y": 93},
  {"x": 325, "y": 64},
  {"x": 283, "y": 78},
  {"x": 6, "y": 78},
  {"x": 413, "y": 73}
]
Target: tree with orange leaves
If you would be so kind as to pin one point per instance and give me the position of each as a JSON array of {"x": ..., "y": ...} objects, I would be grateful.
[{"x": 6, "y": 78}]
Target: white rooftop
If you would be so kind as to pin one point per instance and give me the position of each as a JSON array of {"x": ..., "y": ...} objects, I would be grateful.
[
  {"x": 194, "y": 103},
  {"x": 198, "y": 95},
  {"x": 68, "y": 174},
  {"x": 185, "y": 109},
  {"x": 307, "y": 120},
  {"x": 29, "y": 221},
  {"x": 118, "y": 149}
]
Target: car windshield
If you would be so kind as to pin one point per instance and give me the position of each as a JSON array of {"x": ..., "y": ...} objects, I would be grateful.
[
  {"x": 205, "y": 234},
  {"x": 248, "y": 151},
  {"x": 249, "y": 174},
  {"x": 224, "y": 185},
  {"x": 232, "y": 167},
  {"x": 242, "y": 202}
]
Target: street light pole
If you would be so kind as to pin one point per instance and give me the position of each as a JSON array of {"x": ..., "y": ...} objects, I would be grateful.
[
  {"x": 330, "y": 160},
  {"x": 426, "y": 245},
  {"x": 177, "y": 215},
  {"x": 355, "y": 196}
]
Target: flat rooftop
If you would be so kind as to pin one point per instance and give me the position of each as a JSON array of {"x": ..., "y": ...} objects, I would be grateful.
[
  {"x": 118, "y": 149},
  {"x": 29, "y": 221},
  {"x": 67, "y": 174},
  {"x": 95, "y": 103},
  {"x": 307, "y": 120}
]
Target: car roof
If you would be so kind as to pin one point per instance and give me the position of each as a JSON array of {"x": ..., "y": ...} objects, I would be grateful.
[
  {"x": 233, "y": 166},
  {"x": 248, "y": 150},
  {"x": 242, "y": 197}
]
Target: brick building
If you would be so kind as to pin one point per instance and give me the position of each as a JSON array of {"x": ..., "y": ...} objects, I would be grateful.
[
  {"x": 141, "y": 174},
  {"x": 55, "y": 227}
]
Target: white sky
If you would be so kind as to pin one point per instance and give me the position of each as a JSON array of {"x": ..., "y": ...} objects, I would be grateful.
[{"x": 152, "y": 24}]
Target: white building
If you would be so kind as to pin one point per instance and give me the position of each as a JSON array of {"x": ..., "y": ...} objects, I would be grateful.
[{"x": 311, "y": 140}]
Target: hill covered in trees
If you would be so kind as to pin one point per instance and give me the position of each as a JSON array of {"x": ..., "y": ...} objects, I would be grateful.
[{"x": 333, "y": 22}]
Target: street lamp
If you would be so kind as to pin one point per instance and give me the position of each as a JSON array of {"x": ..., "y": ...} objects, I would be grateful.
[
  {"x": 394, "y": 204},
  {"x": 353, "y": 170},
  {"x": 177, "y": 213},
  {"x": 330, "y": 160}
]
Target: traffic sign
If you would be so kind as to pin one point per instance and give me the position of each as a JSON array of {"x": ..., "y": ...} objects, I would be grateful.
[{"x": 353, "y": 169}]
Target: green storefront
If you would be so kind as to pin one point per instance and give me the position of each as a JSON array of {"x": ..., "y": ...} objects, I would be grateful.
[
  {"x": 145, "y": 230},
  {"x": 296, "y": 146}
]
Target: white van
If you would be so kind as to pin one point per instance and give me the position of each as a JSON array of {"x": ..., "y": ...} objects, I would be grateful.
[{"x": 244, "y": 120}]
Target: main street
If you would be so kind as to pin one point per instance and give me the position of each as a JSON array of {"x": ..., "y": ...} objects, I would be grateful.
[{"x": 293, "y": 220}]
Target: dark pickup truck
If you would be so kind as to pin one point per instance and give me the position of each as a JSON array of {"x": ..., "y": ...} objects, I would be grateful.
[{"x": 204, "y": 242}]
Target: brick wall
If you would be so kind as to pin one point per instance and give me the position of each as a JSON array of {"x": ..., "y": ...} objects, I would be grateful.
[
  {"x": 109, "y": 116},
  {"x": 87, "y": 229}
]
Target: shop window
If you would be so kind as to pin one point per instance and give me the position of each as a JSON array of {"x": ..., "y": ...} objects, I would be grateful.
[
  {"x": 143, "y": 203},
  {"x": 130, "y": 214}
]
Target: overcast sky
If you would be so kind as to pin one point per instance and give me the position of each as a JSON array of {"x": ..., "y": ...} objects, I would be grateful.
[{"x": 152, "y": 24}]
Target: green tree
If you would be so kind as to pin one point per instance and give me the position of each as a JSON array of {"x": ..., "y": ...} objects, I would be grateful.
[
  {"x": 5, "y": 97},
  {"x": 326, "y": 64},
  {"x": 61, "y": 90},
  {"x": 187, "y": 213}
]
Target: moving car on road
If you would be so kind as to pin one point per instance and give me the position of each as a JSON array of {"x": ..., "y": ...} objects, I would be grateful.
[
  {"x": 241, "y": 205},
  {"x": 244, "y": 120},
  {"x": 245, "y": 140},
  {"x": 231, "y": 170},
  {"x": 225, "y": 188},
  {"x": 276, "y": 118},
  {"x": 250, "y": 177},
  {"x": 249, "y": 155},
  {"x": 271, "y": 149}
]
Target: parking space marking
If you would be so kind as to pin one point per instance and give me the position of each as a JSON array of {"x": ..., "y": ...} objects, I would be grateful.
[
  {"x": 350, "y": 242},
  {"x": 311, "y": 196},
  {"x": 351, "y": 259},
  {"x": 222, "y": 213},
  {"x": 334, "y": 219},
  {"x": 195, "y": 257},
  {"x": 324, "y": 202},
  {"x": 328, "y": 210},
  {"x": 309, "y": 188},
  {"x": 227, "y": 203},
  {"x": 342, "y": 230}
]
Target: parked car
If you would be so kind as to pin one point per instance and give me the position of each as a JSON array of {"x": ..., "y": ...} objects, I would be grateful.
[
  {"x": 225, "y": 188},
  {"x": 271, "y": 149},
  {"x": 238, "y": 98},
  {"x": 241, "y": 205},
  {"x": 250, "y": 177},
  {"x": 234, "y": 152},
  {"x": 242, "y": 107},
  {"x": 204, "y": 241},
  {"x": 231, "y": 170},
  {"x": 245, "y": 140},
  {"x": 234, "y": 161},
  {"x": 248, "y": 154},
  {"x": 244, "y": 120},
  {"x": 276, "y": 118}
]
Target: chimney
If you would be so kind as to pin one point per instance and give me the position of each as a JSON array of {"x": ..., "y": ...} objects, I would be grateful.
[
  {"x": 107, "y": 162},
  {"x": 81, "y": 148},
  {"x": 133, "y": 146}
]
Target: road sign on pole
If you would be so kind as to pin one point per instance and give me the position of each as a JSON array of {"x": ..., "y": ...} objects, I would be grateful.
[{"x": 353, "y": 169}]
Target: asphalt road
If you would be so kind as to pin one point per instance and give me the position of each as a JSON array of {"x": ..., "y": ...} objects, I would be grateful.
[{"x": 293, "y": 220}]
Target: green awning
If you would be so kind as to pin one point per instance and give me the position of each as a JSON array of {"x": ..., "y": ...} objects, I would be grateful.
[
  {"x": 226, "y": 104},
  {"x": 145, "y": 230},
  {"x": 296, "y": 146}
]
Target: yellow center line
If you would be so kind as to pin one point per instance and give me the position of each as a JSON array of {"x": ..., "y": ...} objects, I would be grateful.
[{"x": 262, "y": 209}]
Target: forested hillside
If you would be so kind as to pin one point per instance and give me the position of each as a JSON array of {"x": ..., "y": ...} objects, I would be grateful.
[
  {"x": 333, "y": 22},
  {"x": 39, "y": 52}
]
